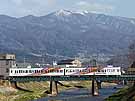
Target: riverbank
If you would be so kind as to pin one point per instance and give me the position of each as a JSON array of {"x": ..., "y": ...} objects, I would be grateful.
[
  {"x": 125, "y": 94},
  {"x": 38, "y": 90},
  {"x": 83, "y": 94},
  {"x": 7, "y": 93}
]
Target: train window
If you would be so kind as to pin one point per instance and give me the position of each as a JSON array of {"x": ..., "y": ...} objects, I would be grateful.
[
  {"x": 30, "y": 71},
  {"x": 26, "y": 71},
  {"x": 108, "y": 70},
  {"x": 19, "y": 71},
  {"x": 118, "y": 70},
  {"x": 16, "y": 71},
  {"x": 11, "y": 71},
  {"x": 37, "y": 71},
  {"x": 51, "y": 70},
  {"x": 113, "y": 70},
  {"x": 105, "y": 70},
  {"x": 7, "y": 70},
  {"x": 42, "y": 71},
  {"x": 102, "y": 70},
  {"x": 45, "y": 71},
  {"x": 61, "y": 71}
]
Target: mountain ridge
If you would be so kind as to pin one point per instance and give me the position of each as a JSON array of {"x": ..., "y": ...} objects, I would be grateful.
[{"x": 67, "y": 33}]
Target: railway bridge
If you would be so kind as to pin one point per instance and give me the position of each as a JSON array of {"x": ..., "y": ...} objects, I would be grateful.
[{"x": 54, "y": 80}]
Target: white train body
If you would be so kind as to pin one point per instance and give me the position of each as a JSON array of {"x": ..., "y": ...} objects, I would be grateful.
[
  {"x": 109, "y": 71},
  {"x": 36, "y": 72},
  {"x": 64, "y": 71}
]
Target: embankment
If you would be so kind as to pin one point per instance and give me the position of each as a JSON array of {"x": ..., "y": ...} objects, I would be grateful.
[
  {"x": 7, "y": 93},
  {"x": 125, "y": 94}
]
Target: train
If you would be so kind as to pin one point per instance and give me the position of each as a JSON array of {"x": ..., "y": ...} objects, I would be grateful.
[{"x": 61, "y": 71}]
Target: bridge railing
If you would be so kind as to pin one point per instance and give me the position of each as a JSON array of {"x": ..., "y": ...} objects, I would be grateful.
[{"x": 73, "y": 78}]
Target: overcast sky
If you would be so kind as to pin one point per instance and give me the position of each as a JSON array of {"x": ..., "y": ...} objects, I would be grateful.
[{"x": 19, "y": 8}]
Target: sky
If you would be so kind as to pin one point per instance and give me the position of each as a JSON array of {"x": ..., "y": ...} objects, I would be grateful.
[{"x": 19, "y": 8}]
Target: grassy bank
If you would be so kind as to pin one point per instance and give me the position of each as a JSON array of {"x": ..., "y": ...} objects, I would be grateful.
[
  {"x": 124, "y": 94},
  {"x": 7, "y": 93},
  {"x": 38, "y": 88}
]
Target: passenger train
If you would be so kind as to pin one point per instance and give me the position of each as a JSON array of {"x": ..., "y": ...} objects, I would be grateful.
[{"x": 59, "y": 71}]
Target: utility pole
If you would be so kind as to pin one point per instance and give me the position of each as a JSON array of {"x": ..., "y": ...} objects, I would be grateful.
[
  {"x": 24, "y": 61},
  {"x": 43, "y": 55}
]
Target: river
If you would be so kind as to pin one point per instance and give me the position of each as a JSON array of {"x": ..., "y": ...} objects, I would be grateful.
[{"x": 82, "y": 94}]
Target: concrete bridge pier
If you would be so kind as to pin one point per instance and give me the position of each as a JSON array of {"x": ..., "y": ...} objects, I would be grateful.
[
  {"x": 14, "y": 84},
  {"x": 124, "y": 82},
  {"x": 53, "y": 88},
  {"x": 94, "y": 89},
  {"x": 134, "y": 83},
  {"x": 99, "y": 84}
]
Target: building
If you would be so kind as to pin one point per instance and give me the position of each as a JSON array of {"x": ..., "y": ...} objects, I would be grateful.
[
  {"x": 69, "y": 63},
  {"x": 6, "y": 61},
  {"x": 23, "y": 65}
]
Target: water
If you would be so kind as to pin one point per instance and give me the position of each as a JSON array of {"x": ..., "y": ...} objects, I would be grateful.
[{"x": 81, "y": 94}]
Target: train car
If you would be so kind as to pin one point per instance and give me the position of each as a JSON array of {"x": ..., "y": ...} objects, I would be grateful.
[
  {"x": 73, "y": 71},
  {"x": 64, "y": 71},
  {"x": 50, "y": 71},
  {"x": 36, "y": 71},
  {"x": 109, "y": 71},
  {"x": 93, "y": 71},
  {"x": 80, "y": 71}
]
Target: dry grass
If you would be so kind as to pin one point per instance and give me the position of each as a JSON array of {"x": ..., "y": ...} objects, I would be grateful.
[{"x": 38, "y": 89}]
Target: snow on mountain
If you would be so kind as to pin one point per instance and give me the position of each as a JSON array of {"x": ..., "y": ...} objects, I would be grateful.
[{"x": 62, "y": 12}]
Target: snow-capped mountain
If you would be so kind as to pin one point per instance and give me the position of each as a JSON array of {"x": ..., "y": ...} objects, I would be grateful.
[{"x": 67, "y": 33}]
